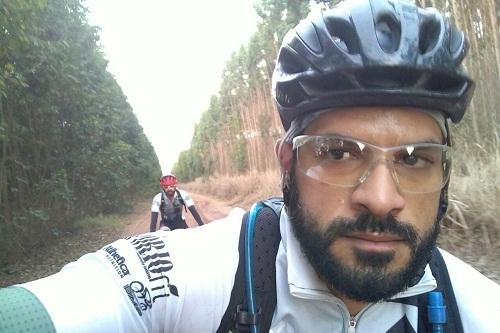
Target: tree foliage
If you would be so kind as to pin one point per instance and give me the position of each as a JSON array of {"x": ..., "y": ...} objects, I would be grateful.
[{"x": 70, "y": 145}]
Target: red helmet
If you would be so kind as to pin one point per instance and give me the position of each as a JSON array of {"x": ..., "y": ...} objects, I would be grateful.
[{"x": 168, "y": 180}]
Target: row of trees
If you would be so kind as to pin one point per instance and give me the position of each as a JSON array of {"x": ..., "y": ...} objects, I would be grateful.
[
  {"x": 70, "y": 145},
  {"x": 223, "y": 141}
]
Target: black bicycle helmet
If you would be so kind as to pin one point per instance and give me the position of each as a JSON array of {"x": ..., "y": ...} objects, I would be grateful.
[{"x": 372, "y": 52}]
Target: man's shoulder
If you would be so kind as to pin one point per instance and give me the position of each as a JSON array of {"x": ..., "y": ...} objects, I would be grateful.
[
  {"x": 156, "y": 201},
  {"x": 233, "y": 218},
  {"x": 478, "y": 297},
  {"x": 461, "y": 272}
]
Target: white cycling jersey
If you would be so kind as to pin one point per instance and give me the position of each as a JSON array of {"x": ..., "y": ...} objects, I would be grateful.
[{"x": 181, "y": 281}]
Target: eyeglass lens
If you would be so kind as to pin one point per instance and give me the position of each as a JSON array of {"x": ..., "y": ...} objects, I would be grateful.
[{"x": 418, "y": 168}]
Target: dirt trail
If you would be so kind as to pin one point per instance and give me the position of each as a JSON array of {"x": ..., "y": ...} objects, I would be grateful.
[{"x": 51, "y": 258}]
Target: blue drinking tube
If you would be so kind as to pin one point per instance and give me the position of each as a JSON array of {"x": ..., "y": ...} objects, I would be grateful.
[
  {"x": 249, "y": 262},
  {"x": 436, "y": 311}
]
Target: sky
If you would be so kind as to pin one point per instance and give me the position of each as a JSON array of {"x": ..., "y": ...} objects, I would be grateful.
[{"x": 168, "y": 57}]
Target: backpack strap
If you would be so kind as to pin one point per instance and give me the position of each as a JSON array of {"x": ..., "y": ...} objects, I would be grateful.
[
  {"x": 440, "y": 272},
  {"x": 181, "y": 199},
  {"x": 162, "y": 206},
  {"x": 265, "y": 245}
]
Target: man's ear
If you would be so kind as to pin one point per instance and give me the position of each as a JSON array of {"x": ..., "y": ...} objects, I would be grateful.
[{"x": 284, "y": 154}]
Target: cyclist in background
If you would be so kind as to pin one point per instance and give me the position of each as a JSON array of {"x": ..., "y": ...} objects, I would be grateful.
[{"x": 169, "y": 204}]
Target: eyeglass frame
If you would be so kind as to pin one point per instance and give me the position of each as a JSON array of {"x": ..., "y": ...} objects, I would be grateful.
[{"x": 301, "y": 140}]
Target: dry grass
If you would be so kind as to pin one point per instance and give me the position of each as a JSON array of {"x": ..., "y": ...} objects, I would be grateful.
[
  {"x": 241, "y": 190},
  {"x": 472, "y": 227},
  {"x": 474, "y": 191}
]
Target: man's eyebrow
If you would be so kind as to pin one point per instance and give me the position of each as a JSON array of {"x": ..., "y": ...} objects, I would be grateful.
[
  {"x": 428, "y": 140},
  {"x": 423, "y": 141},
  {"x": 437, "y": 142}
]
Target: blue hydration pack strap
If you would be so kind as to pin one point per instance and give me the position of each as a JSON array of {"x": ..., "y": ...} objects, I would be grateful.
[
  {"x": 252, "y": 306},
  {"x": 261, "y": 247}
]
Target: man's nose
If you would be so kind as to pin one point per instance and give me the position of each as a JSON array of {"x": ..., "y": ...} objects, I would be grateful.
[{"x": 379, "y": 192}]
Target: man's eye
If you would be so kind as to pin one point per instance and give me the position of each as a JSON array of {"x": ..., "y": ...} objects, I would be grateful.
[
  {"x": 336, "y": 150},
  {"x": 414, "y": 160},
  {"x": 337, "y": 154},
  {"x": 410, "y": 159},
  {"x": 333, "y": 154}
]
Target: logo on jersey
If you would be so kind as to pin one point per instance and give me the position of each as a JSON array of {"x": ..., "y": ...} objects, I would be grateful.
[
  {"x": 139, "y": 296},
  {"x": 156, "y": 262},
  {"x": 116, "y": 260}
]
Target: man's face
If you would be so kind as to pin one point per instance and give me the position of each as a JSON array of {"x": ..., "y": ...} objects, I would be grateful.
[
  {"x": 170, "y": 190},
  {"x": 368, "y": 241}
]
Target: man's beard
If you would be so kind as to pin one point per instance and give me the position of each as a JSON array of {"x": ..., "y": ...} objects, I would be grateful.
[{"x": 369, "y": 279}]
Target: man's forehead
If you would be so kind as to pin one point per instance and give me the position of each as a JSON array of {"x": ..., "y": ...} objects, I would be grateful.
[{"x": 368, "y": 122}]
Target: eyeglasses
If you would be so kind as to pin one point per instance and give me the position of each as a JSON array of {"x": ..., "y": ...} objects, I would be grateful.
[{"x": 344, "y": 162}]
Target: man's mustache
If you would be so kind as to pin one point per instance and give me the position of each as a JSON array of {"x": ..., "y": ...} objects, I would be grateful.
[{"x": 367, "y": 222}]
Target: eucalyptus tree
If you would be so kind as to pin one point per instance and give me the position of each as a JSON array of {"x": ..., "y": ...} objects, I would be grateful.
[{"x": 70, "y": 143}]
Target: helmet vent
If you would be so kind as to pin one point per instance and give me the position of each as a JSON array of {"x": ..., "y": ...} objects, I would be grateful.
[
  {"x": 387, "y": 78},
  {"x": 328, "y": 84},
  {"x": 288, "y": 95},
  {"x": 456, "y": 40},
  {"x": 291, "y": 63},
  {"x": 307, "y": 32},
  {"x": 442, "y": 83},
  {"x": 388, "y": 33},
  {"x": 343, "y": 35},
  {"x": 429, "y": 34}
]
